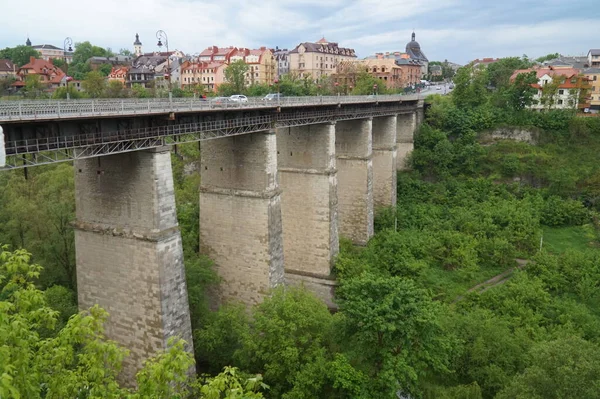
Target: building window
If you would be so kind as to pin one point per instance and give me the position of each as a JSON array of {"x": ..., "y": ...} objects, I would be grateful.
[
  {"x": 560, "y": 102},
  {"x": 561, "y": 92}
]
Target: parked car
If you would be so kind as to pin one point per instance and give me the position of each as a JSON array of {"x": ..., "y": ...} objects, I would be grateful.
[
  {"x": 220, "y": 101},
  {"x": 239, "y": 98},
  {"x": 272, "y": 96}
]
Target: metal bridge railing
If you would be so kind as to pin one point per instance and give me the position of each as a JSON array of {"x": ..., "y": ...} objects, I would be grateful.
[{"x": 58, "y": 109}]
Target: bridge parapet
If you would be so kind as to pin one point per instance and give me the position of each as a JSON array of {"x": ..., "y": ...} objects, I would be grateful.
[{"x": 80, "y": 109}]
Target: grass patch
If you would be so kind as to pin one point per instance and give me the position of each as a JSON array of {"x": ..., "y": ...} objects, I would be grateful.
[
  {"x": 447, "y": 285},
  {"x": 578, "y": 238}
]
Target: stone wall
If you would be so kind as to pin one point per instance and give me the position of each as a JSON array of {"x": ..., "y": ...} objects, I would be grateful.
[
  {"x": 308, "y": 180},
  {"x": 384, "y": 161},
  {"x": 128, "y": 251},
  {"x": 407, "y": 124},
  {"x": 240, "y": 215},
  {"x": 526, "y": 135},
  {"x": 354, "y": 153}
]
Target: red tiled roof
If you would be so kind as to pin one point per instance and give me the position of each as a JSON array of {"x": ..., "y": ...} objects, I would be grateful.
[{"x": 6, "y": 66}]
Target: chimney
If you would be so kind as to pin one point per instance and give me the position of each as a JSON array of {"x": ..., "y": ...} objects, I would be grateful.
[{"x": 31, "y": 59}]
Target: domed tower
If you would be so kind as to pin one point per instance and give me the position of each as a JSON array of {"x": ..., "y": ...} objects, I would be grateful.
[
  {"x": 137, "y": 46},
  {"x": 28, "y": 42},
  {"x": 413, "y": 49}
]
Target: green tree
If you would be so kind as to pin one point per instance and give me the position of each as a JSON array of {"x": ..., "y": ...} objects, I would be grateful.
[
  {"x": 235, "y": 74},
  {"x": 470, "y": 88},
  {"x": 499, "y": 72},
  {"x": 288, "y": 344},
  {"x": 36, "y": 213},
  {"x": 34, "y": 87},
  {"x": 548, "y": 57},
  {"x": 19, "y": 55},
  {"x": 566, "y": 368},
  {"x": 393, "y": 333},
  {"x": 105, "y": 69},
  {"x": 94, "y": 84},
  {"x": 125, "y": 52},
  {"x": 365, "y": 84},
  {"x": 139, "y": 91},
  {"x": 519, "y": 95},
  {"x": 61, "y": 92},
  {"x": 115, "y": 89}
]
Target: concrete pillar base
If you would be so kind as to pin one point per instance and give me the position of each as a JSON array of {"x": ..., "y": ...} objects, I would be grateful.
[{"x": 322, "y": 286}]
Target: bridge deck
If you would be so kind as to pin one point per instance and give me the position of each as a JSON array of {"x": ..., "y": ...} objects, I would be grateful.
[{"x": 42, "y": 110}]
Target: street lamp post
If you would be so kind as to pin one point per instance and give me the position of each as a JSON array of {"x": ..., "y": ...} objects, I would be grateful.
[
  {"x": 68, "y": 42},
  {"x": 162, "y": 36},
  {"x": 375, "y": 89}
]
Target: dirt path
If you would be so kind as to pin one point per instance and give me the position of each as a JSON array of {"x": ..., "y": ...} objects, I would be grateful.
[{"x": 496, "y": 280}]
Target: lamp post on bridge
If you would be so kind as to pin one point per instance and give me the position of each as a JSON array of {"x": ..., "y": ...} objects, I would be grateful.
[
  {"x": 162, "y": 36},
  {"x": 68, "y": 42}
]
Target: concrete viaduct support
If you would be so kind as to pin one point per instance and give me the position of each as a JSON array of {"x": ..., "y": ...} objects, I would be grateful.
[
  {"x": 240, "y": 214},
  {"x": 354, "y": 156},
  {"x": 129, "y": 253},
  {"x": 384, "y": 161},
  {"x": 406, "y": 125},
  {"x": 309, "y": 204}
]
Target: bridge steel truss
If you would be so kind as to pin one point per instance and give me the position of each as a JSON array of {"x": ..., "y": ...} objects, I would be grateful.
[{"x": 41, "y": 151}]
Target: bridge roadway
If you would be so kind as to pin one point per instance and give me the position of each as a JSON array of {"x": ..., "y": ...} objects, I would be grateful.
[{"x": 47, "y": 131}]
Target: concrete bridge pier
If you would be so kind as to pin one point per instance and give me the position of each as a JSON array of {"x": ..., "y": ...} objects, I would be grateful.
[
  {"x": 309, "y": 203},
  {"x": 354, "y": 160},
  {"x": 240, "y": 214},
  {"x": 406, "y": 125},
  {"x": 129, "y": 253},
  {"x": 384, "y": 161}
]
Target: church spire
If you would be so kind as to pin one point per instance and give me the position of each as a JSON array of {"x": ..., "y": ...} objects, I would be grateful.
[
  {"x": 413, "y": 36},
  {"x": 28, "y": 42}
]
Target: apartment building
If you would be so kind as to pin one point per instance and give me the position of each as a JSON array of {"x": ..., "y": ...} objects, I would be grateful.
[{"x": 318, "y": 59}]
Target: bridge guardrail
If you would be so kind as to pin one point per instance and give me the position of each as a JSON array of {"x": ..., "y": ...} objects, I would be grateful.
[{"x": 58, "y": 109}]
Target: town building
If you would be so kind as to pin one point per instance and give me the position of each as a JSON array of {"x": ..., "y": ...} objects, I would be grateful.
[
  {"x": 8, "y": 70},
  {"x": 593, "y": 77},
  {"x": 282, "y": 60},
  {"x": 413, "y": 49},
  {"x": 261, "y": 65},
  {"x": 394, "y": 74},
  {"x": 484, "y": 61},
  {"x": 217, "y": 54},
  {"x": 49, "y": 52},
  {"x": 411, "y": 68},
  {"x": 435, "y": 70},
  {"x": 568, "y": 62},
  {"x": 117, "y": 60},
  {"x": 593, "y": 58},
  {"x": 572, "y": 84},
  {"x": 50, "y": 75},
  {"x": 317, "y": 60},
  {"x": 118, "y": 74}
]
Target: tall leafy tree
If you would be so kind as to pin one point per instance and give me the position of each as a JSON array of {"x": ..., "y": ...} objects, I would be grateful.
[
  {"x": 19, "y": 55},
  {"x": 94, "y": 84},
  {"x": 393, "y": 331},
  {"x": 519, "y": 95},
  {"x": 235, "y": 73},
  {"x": 470, "y": 86}
]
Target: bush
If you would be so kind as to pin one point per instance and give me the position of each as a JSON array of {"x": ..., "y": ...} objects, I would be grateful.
[{"x": 560, "y": 212}]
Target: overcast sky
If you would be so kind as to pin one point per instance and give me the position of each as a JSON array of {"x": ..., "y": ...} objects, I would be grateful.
[{"x": 457, "y": 30}]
